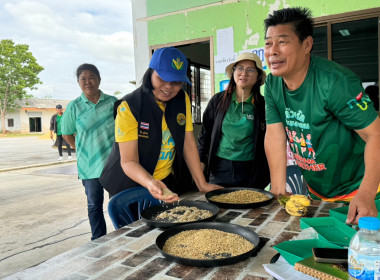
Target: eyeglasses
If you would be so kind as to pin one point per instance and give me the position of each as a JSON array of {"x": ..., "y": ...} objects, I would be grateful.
[{"x": 240, "y": 70}]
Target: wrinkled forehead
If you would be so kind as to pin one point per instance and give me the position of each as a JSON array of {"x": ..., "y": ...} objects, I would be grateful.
[
  {"x": 280, "y": 31},
  {"x": 88, "y": 74}
]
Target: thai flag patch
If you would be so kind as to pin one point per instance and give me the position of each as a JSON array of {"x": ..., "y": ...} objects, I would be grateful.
[{"x": 144, "y": 125}]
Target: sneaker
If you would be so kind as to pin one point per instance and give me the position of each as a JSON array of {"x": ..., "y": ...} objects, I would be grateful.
[
  {"x": 60, "y": 159},
  {"x": 69, "y": 158}
]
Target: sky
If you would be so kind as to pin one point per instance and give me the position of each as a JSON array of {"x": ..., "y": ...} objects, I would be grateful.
[{"x": 64, "y": 34}]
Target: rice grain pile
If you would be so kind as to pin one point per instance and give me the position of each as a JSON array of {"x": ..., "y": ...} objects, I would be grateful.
[
  {"x": 240, "y": 197},
  {"x": 182, "y": 214},
  {"x": 166, "y": 192},
  {"x": 203, "y": 244}
]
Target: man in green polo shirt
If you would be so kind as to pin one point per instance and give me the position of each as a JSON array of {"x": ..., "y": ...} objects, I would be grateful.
[
  {"x": 333, "y": 125},
  {"x": 88, "y": 125}
]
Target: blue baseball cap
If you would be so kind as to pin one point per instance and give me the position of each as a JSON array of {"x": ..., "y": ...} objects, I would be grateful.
[{"x": 170, "y": 64}]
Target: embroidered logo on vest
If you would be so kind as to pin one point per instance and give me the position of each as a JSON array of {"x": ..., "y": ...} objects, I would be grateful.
[{"x": 181, "y": 119}]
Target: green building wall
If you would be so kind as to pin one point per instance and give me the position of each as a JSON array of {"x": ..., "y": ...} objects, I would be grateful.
[{"x": 172, "y": 21}]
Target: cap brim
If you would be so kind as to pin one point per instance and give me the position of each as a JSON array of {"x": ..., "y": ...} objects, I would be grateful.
[
  {"x": 171, "y": 77},
  {"x": 229, "y": 69}
]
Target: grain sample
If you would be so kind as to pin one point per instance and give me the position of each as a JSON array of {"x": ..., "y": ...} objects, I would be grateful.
[
  {"x": 207, "y": 244},
  {"x": 240, "y": 197}
]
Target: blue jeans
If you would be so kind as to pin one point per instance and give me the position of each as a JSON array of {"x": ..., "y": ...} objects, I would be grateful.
[{"x": 95, "y": 197}]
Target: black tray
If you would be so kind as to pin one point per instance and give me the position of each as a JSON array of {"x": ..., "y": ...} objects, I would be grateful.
[
  {"x": 238, "y": 206},
  {"x": 149, "y": 214},
  {"x": 231, "y": 228}
]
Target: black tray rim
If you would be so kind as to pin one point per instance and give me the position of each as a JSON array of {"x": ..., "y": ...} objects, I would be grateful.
[
  {"x": 148, "y": 213},
  {"x": 248, "y": 234},
  {"x": 238, "y": 206}
]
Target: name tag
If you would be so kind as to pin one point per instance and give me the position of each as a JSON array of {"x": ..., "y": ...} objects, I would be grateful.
[{"x": 249, "y": 117}]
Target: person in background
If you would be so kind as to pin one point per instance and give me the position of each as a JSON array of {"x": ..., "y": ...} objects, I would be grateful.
[
  {"x": 325, "y": 101},
  {"x": 55, "y": 127},
  {"x": 373, "y": 93},
  {"x": 231, "y": 142},
  {"x": 154, "y": 132},
  {"x": 88, "y": 125}
]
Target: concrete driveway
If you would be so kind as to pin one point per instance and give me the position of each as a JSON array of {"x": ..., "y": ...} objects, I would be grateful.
[{"x": 43, "y": 208}]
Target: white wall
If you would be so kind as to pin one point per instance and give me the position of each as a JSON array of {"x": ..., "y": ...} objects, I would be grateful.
[
  {"x": 15, "y": 115},
  {"x": 140, "y": 36},
  {"x": 21, "y": 120}
]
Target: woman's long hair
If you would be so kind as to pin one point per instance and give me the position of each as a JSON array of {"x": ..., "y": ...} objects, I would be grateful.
[
  {"x": 146, "y": 81},
  {"x": 255, "y": 91}
]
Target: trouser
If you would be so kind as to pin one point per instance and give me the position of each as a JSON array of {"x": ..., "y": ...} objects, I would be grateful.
[
  {"x": 95, "y": 197},
  {"x": 229, "y": 173},
  {"x": 61, "y": 141}
]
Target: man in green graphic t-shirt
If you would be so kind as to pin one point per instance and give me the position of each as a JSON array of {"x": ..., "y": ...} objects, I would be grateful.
[{"x": 334, "y": 128}]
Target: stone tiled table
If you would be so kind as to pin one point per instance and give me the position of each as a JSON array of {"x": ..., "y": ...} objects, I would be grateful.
[{"x": 130, "y": 252}]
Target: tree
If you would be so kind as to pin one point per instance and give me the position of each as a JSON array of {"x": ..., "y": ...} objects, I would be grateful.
[{"x": 18, "y": 72}]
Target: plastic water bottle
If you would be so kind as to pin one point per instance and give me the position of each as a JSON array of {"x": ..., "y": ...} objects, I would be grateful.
[{"x": 364, "y": 251}]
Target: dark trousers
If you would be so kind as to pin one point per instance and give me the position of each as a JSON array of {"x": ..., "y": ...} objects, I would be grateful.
[
  {"x": 61, "y": 141},
  {"x": 229, "y": 173},
  {"x": 95, "y": 197}
]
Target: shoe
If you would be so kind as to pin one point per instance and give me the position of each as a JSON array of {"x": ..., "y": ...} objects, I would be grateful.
[
  {"x": 69, "y": 158},
  {"x": 60, "y": 159}
]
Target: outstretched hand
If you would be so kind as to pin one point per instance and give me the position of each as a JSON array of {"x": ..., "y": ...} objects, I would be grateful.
[
  {"x": 277, "y": 193},
  {"x": 362, "y": 205},
  {"x": 209, "y": 187},
  {"x": 161, "y": 192}
]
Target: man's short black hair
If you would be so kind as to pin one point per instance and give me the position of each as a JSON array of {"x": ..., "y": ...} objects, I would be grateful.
[
  {"x": 90, "y": 67},
  {"x": 59, "y": 106},
  {"x": 300, "y": 18}
]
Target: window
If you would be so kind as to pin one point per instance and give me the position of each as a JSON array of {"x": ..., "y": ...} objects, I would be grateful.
[
  {"x": 355, "y": 46},
  {"x": 200, "y": 91},
  {"x": 11, "y": 123},
  {"x": 320, "y": 41},
  {"x": 35, "y": 124},
  {"x": 352, "y": 40}
]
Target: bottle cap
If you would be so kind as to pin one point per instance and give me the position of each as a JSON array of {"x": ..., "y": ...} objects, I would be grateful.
[{"x": 370, "y": 223}]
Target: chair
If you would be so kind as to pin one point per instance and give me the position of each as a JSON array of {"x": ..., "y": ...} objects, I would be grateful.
[
  {"x": 295, "y": 181},
  {"x": 126, "y": 207}
]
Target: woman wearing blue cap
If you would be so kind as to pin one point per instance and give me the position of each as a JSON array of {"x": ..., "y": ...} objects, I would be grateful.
[{"x": 154, "y": 132}]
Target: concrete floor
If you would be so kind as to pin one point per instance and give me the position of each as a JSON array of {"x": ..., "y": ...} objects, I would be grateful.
[{"x": 43, "y": 207}]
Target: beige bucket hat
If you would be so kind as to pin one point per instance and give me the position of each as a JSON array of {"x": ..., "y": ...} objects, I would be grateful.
[{"x": 247, "y": 56}]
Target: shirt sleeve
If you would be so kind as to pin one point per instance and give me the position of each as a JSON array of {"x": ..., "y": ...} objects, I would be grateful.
[
  {"x": 271, "y": 112},
  {"x": 125, "y": 124},
  {"x": 189, "y": 117},
  {"x": 350, "y": 104},
  {"x": 68, "y": 120}
]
